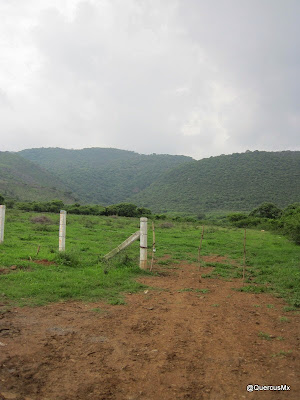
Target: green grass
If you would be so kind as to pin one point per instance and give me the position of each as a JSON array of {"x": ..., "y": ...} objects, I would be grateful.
[
  {"x": 267, "y": 336},
  {"x": 223, "y": 271},
  {"x": 98, "y": 310},
  {"x": 282, "y": 354},
  {"x": 193, "y": 290},
  {"x": 80, "y": 273},
  {"x": 289, "y": 308},
  {"x": 284, "y": 319},
  {"x": 264, "y": 335}
]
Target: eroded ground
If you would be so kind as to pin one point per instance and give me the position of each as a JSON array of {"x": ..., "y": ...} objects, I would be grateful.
[{"x": 184, "y": 338}]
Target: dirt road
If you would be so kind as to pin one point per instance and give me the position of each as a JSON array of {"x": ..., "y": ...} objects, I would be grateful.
[{"x": 183, "y": 338}]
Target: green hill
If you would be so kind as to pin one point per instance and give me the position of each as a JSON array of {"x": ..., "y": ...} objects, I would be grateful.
[
  {"x": 104, "y": 176},
  {"x": 23, "y": 180},
  {"x": 162, "y": 183},
  {"x": 227, "y": 182}
]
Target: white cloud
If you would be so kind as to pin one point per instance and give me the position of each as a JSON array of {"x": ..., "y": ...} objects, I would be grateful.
[{"x": 187, "y": 77}]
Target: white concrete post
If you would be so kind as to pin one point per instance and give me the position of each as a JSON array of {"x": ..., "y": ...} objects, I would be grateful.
[
  {"x": 123, "y": 245},
  {"x": 62, "y": 230},
  {"x": 2, "y": 219},
  {"x": 143, "y": 243}
]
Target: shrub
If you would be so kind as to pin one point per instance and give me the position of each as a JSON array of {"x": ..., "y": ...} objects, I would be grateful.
[
  {"x": 55, "y": 206},
  {"x": 291, "y": 209},
  {"x": 25, "y": 206},
  {"x": 236, "y": 217},
  {"x": 247, "y": 222},
  {"x": 123, "y": 210},
  {"x": 9, "y": 203},
  {"x": 177, "y": 218},
  {"x": 144, "y": 212},
  {"x": 201, "y": 216},
  {"x": 160, "y": 216},
  {"x": 291, "y": 225}
]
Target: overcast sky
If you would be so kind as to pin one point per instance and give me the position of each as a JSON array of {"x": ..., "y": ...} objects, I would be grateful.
[{"x": 193, "y": 77}]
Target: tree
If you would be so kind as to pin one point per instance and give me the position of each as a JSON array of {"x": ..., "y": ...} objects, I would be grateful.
[
  {"x": 291, "y": 222},
  {"x": 266, "y": 210},
  {"x": 123, "y": 210}
]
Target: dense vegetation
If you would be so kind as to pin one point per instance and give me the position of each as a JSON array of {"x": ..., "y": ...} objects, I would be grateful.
[
  {"x": 228, "y": 182},
  {"x": 21, "y": 179},
  {"x": 103, "y": 176},
  {"x": 122, "y": 209},
  {"x": 162, "y": 183},
  {"x": 270, "y": 217}
]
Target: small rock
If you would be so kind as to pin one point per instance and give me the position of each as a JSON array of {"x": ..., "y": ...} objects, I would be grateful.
[
  {"x": 9, "y": 396},
  {"x": 13, "y": 267}
]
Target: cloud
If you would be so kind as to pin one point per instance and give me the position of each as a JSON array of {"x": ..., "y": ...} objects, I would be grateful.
[{"x": 183, "y": 77}]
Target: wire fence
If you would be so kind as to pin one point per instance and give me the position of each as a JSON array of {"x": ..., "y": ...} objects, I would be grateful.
[{"x": 62, "y": 229}]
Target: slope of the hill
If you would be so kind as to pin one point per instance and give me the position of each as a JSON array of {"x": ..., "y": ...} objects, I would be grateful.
[
  {"x": 23, "y": 180},
  {"x": 105, "y": 176},
  {"x": 227, "y": 182}
]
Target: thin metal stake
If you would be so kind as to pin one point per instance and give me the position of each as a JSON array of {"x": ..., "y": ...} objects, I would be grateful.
[
  {"x": 244, "y": 266},
  {"x": 153, "y": 246},
  {"x": 199, "y": 248}
]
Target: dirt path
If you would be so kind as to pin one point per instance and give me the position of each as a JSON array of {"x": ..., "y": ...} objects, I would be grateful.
[{"x": 183, "y": 339}]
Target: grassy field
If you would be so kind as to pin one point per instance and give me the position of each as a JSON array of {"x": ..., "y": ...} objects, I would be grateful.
[{"x": 80, "y": 272}]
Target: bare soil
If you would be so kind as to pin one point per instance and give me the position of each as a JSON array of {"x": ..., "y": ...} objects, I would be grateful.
[{"x": 183, "y": 338}]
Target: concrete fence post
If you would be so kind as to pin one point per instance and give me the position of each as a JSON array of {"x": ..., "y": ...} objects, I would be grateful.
[
  {"x": 2, "y": 220},
  {"x": 123, "y": 245},
  {"x": 143, "y": 243},
  {"x": 62, "y": 230}
]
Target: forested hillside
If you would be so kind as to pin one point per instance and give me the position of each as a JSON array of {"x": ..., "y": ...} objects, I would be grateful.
[
  {"x": 163, "y": 183},
  {"x": 227, "y": 182},
  {"x": 21, "y": 179},
  {"x": 104, "y": 176}
]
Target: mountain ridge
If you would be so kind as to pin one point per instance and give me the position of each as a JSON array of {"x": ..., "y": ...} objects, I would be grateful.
[
  {"x": 164, "y": 183},
  {"x": 100, "y": 175},
  {"x": 239, "y": 181}
]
